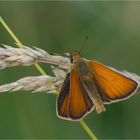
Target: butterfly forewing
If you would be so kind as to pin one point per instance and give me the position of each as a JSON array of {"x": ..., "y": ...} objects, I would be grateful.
[
  {"x": 80, "y": 102},
  {"x": 111, "y": 84},
  {"x": 73, "y": 102}
]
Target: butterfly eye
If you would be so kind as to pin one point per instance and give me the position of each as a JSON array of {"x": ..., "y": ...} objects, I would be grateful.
[{"x": 71, "y": 58}]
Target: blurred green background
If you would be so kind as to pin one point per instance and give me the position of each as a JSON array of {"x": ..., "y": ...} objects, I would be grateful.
[{"x": 113, "y": 30}]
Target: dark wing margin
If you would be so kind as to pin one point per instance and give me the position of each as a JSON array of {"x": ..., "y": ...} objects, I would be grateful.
[{"x": 63, "y": 98}]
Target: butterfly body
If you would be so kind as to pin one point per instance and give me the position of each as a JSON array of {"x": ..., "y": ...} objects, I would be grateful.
[
  {"x": 91, "y": 84},
  {"x": 87, "y": 79}
]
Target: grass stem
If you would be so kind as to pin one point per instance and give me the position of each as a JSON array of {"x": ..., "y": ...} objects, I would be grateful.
[
  {"x": 38, "y": 67},
  {"x": 88, "y": 130},
  {"x": 19, "y": 44}
]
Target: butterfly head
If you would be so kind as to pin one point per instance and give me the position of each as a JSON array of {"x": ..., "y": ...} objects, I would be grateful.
[{"x": 75, "y": 57}]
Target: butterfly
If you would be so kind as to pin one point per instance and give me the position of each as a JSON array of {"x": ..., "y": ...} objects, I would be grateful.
[{"x": 90, "y": 85}]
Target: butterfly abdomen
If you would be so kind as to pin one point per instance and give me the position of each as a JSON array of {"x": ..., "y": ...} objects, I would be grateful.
[{"x": 88, "y": 82}]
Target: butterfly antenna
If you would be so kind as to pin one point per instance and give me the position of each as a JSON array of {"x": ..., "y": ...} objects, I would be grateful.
[{"x": 84, "y": 44}]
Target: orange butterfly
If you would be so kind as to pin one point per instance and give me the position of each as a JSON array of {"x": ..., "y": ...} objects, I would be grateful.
[{"x": 91, "y": 84}]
